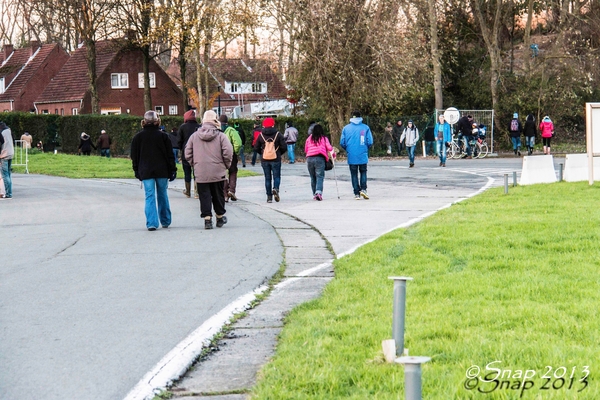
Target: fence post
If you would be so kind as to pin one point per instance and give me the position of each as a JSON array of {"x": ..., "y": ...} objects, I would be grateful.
[
  {"x": 514, "y": 178},
  {"x": 412, "y": 376},
  {"x": 560, "y": 172},
  {"x": 399, "y": 311},
  {"x": 505, "y": 183}
]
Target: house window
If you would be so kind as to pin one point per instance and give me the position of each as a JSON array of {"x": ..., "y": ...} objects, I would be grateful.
[
  {"x": 119, "y": 81},
  {"x": 233, "y": 88},
  {"x": 56, "y": 111},
  {"x": 62, "y": 111},
  {"x": 159, "y": 110},
  {"x": 258, "y": 87},
  {"x": 152, "y": 77},
  {"x": 173, "y": 109},
  {"x": 2, "y": 85},
  {"x": 45, "y": 112},
  {"x": 74, "y": 111}
]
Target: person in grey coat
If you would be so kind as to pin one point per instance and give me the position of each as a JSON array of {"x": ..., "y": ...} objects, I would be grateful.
[{"x": 7, "y": 152}]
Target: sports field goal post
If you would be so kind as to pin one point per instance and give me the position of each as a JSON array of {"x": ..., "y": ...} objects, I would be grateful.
[{"x": 485, "y": 117}]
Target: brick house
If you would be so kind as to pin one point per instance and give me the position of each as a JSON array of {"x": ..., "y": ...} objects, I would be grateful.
[
  {"x": 24, "y": 73},
  {"x": 119, "y": 82},
  {"x": 237, "y": 83}
]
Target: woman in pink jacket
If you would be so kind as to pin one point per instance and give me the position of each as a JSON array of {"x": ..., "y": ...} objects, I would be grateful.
[
  {"x": 547, "y": 131},
  {"x": 317, "y": 148}
]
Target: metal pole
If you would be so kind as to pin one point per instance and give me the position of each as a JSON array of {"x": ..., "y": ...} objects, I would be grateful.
[
  {"x": 399, "y": 312},
  {"x": 412, "y": 376},
  {"x": 514, "y": 178},
  {"x": 560, "y": 172},
  {"x": 505, "y": 183}
]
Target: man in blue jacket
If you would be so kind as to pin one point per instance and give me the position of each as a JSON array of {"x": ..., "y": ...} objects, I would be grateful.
[{"x": 356, "y": 140}]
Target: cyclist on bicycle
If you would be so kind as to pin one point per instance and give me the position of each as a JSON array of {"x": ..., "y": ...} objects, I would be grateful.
[{"x": 465, "y": 129}]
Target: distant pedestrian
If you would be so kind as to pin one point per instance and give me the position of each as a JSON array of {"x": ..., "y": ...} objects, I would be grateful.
[
  {"x": 233, "y": 136},
  {"x": 357, "y": 139},
  {"x": 515, "y": 129},
  {"x": 271, "y": 145},
  {"x": 388, "y": 138},
  {"x": 429, "y": 137},
  {"x": 396, "y": 133},
  {"x": 242, "y": 134},
  {"x": 104, "y": 142},
  {"x": 174, "y": 143},
  {"x": 547, "y": 132},
  {"x": 27, "y": 139},
  {"x": 153, "y": 163},
  {"x": 255, "y": 134},
  {"x": 443, "y": 135},
  {"x": 85, "y": 144},
  {"x": 410, "y": 136},
  {"x": 465, "y": 130},
  {"x": 186, "y": 130},
  {"x": 291, "y": 136},
  {"x": 530, "y": 132},
  {"x": 7, "y": 151},
  {"x": 317, "y": 149},
  {"x": 210, "y": 153}
]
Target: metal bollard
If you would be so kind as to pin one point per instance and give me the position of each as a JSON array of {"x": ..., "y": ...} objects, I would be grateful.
[
  {"x": 514, "y": 178},
  {"x": 560, "y": 172},
  {"x": 399, "y": 311},
  {"x": 412, "y": 376},
  {"x": 505, "y": 183}
]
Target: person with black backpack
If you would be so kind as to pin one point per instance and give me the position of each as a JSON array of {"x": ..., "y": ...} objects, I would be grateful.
[
  {"x": 515, "y": 128},
  {"x": 271, "y": 145}
]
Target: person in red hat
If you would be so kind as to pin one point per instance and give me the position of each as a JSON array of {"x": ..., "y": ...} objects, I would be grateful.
[
  {"x": 271, "y": 145},
  {"x": 189, "y": 126}
]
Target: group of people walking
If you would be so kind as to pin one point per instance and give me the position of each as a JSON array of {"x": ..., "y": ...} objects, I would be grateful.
[{"x": 529, "y": 130}]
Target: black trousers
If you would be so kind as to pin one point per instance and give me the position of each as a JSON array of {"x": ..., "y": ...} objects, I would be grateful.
[{"x": 211, "y": 195}]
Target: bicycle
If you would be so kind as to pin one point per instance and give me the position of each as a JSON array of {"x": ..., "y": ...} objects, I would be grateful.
[{"x": 457, "y": 148}]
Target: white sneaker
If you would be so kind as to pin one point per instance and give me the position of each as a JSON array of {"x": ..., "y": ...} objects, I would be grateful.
[{"x": 364, "y": 194}]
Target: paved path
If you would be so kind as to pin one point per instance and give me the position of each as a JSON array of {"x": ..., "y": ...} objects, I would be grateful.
[{"x": 90, "y": 300}]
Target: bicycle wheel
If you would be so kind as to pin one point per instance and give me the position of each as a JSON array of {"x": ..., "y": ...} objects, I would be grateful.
[
  {"x": 483, "y": 150},
  {"x": 452, "y": 150}
]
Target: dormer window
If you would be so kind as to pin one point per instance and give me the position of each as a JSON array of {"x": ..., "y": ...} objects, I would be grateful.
[
  {"x": 119, "y": 81},
  {"x": 2, "y": 88}
]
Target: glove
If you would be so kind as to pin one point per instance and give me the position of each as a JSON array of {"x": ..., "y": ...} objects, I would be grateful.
[{"x": 173, "y": 176}]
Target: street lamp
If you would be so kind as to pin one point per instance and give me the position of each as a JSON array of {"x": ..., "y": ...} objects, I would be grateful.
[{"x": 219, "y": 102}]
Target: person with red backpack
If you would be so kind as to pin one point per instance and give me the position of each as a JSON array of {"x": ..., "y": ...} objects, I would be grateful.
[
  {"x": 271, "y": 145},
  {"x": 255, "y": 134},
  {"x": 515, "y": 128}
]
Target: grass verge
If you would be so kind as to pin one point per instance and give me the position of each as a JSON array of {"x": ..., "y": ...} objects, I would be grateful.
[
  {"x": 73, "y": 166},
  {"x": 509, "y": 278}
]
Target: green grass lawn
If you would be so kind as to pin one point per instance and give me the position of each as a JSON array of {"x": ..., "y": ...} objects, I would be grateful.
[
  {"x": 513, "y": 278},
  {"x": 73, "y": 166}
]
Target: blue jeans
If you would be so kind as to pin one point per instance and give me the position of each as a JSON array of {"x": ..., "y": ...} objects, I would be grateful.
[
  {"x": 354, "y": 168},
  {"x": 291, "y": 149},
  {"x": 6, "y": 175},
  {"x": 441, "y": 149},
  {"x": 467, "y": 139},
  {"x": 516, "y": 142},
  {"x": 156, "y": 192},
  {"x": 316, "y": 169},
  {"x": 272, "y": 170},
  {"x": 529, "y": 141},
  {"x": 176, "y": 155},
  {"x": 411, "y": 153},
  {"x": 105, "y": 153},
  {"x": 430, "y": 148},
  {"x": 254, "y": 154}
]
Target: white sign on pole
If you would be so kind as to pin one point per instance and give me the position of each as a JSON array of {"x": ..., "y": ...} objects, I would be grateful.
[
  {"x": 451, "y": 115},
  {"x": 592, "y": 128}
]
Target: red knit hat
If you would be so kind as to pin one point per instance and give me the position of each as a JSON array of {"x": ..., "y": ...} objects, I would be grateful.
[
  {"x": 268, "y": 123},
  {"x": 189, "y": 116}
]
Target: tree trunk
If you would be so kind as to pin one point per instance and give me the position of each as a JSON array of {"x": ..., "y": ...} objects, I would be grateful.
[
  {"x": 435, "y": 56},
  {"x": 527, "y": 38},
  {"x": 206, "y": 56},
  {"x": 90, "y": 55},
  {"x": 183, "y": 70},
  {"x": 199, "y": 68}
]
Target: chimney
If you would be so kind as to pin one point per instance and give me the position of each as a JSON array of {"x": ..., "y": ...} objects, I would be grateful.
[
  {"x": 8, "y": 49},
  {"x": 33, "y": 46}
]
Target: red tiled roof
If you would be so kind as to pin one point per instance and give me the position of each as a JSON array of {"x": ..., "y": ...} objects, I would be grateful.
[
  {"x": 22, "y": 67},
  {"x": 72, "y": 82},
  {"x": 235, "y": 70}
]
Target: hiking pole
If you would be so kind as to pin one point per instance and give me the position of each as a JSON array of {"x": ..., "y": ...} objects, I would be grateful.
[{"x": 335, "y": 178}]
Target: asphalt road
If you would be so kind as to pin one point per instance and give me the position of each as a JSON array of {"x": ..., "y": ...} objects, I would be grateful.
[{"x": 90, "y": 300}]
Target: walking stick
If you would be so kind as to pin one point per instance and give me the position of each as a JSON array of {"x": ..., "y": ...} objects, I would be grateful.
[{"x": 335, "y": 178}]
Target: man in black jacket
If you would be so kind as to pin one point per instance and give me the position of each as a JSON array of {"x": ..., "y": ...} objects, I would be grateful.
[
  {"x": 154, "y": 164},
  {"x": 189, "y": 126},
  {"x": 466, "y": 132}
]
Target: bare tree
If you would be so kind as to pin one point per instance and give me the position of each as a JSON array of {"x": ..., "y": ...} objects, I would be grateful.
[{"x": 435, "y": 54}]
